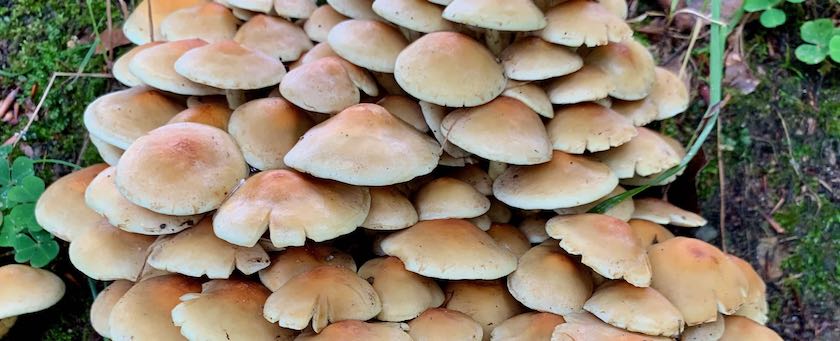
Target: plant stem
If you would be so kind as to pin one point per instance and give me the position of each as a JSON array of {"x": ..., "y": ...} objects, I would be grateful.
[
  {"x": 92, "y": 286},
  {"x": 58, "y": 162}
]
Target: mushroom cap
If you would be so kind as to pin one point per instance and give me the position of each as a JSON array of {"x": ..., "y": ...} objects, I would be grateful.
[
  {"x": 504, "y": 130},
  {"x": 697, "y": 278},
  {"x": 326, "y": 84},
  {"x": 475, "y": 176},
  {"x": 640, "y": 112},
  {"x": 297, "y": 260},
  {"x": 154, "y": 66},
  {"x": 434, "y": 114},
  {"x": 228, "y": 65},
  {"x": 143, "y": 313},
  {"x": 623, "y": 210},
  {"x": 120, "y": 69},
  {"x": 483, "y": 222},
  {"x": 209, "y": 21},
  {"x": 136, "y": 26},
  {"x": 100, "y": 310},
  {"x": 406, "y": 109},
  {"x": 532, "y": 58},
  {"x": 581, "y": 22},
  {"x": 275, "y": 37},
  {"x": 628, "y": 64},
  {"x": 445, "y": 198},
  {"x": 527, "y": 327},
  {"x": 662, "y": 212},
  {"x": 588, "y": 83},
  {"x": 647, "y": 153},
  {"x": 533, "y": 96},
  {"x": 588, "y": 127},
  {"x": 227, "y": 309},
  {"x": 103, "y": 197},
  {"x": 639, "y": 180},
  {"x": 323, "y": 295},
  {"x": 648, "y": 232},
  {"x": 389, "y": 210},
  {"x": 617, "y": 7},
  {"x": 641, "y": 310},
  {"x": 295, "y": 8},
  {"x": 107, "y": 253},
  {"x": 108, "y": 152},
  {"x": 261, "y": 6},
  {"x": 120, "y": 117},
  {"x": 549, "y": 280},
  {"x": 282, "y": 201},
  {"x": 502, "y": 15},
  {"x": 358, "y": 331},
  {"x": 356, "y": 9},
  {"x": 61, "y": 209},
  {"x": 555, "y": 184},
  {"x": 741, "y": 328},
  {"x": 450, "y": 69},
  {"x": 444, "y": 324},
  {"x": 487, "y": 302},
  {"x": 585, "y": 326},
  {"x": 404, "y": 294},
  {"x": 415, "y": 15},
  {"x": 450, "y": 249},
  {"x": 364, "y": 145},
  {"x": 755, "y": 308},
  {"x": 352, "y": 39},
  {"x": 606, "y": 244},
  {"x": 322, "y": 20},
  {"x": 25, "y": 289},
  {"x": 510, "y": 237},
  {"x": 151, "y": 172},
  {"x": 266, "y": 129},
  {"x": 709, "y": 331},
  {"x": 534, "y": 229},
  {"x": 669, "y": 93},
  {"x": 214, "y": 114}
]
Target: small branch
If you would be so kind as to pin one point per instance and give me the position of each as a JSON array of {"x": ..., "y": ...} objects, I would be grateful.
[{"x": 151, "y": 22}]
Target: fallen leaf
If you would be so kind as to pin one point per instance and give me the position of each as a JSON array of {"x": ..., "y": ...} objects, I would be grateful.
[
  {"x": 111, "y": 39},
  {"x": 770, "y": 257},
  {"x": 738, "y": 74},
  {"x": 685, "y": 22}
]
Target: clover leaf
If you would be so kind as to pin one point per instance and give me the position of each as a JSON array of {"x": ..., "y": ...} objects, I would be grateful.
[
  {"x": 38, "y": 250},
  {"x": 772, "y": 17},
  {"x": 834, "y": 48},
  {"x": 819, "y": 34},
  {"x": 759, "y": 5}
]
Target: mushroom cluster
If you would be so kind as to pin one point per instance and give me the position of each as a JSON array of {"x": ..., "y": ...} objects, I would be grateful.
[{"x": 391, "y": 170}]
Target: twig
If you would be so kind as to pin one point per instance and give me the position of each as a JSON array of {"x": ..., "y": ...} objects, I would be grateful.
[
  {"x": 110, "y": 54},
  {"x": 701, "y": 16},
  {"x": 721, "y": 188},
  {"x": 58, "y": 162},
  {"x": 82, "y": 150},
  {"x": 792, "y": 161},
  {"x": 151, "y": 22},
  {"x": 694, "y": 34}
]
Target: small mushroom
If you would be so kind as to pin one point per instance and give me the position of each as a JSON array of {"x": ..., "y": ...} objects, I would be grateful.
[
  {"x": 212, "y": 113},
  {"x": 24, "y": 289},
  {"x": 581, "y": 22},
  {"x": 487, "y": 302},
  {"x": 588, "y": 83},
  {"x": 640, "y": 112},
  {"x": 546, "y": 268},
  {"x": 266, "y": 129},
  {"x": 641, "y": 310},
  {"x": 121, "y": 117},
  {"x": 108, "y": 152},
  {"x": 669, "y": 94},
  {"x": 416, "y": 15},
  {"x": 274, "y": 37},
  {"x": 584, "y": 326},
  {"x": 662, "y": 212},
  {"x": 433, "y": 114},
  {"x": 534, "y": 229},
  {"x": 588, "y": 127},
  {"x": 648, "y": 232},
  {"x": 144, "y": 311},
  {"x": 532, "y": 95},
  {"x": 352, "y": 39},
  {"x": 155, "y": 67},
  {"x": 389, "y": 210},
  {"x": 121, "y": 71},
  {"x": 404, "y": 294},
  {"x": 107, "y": 253},
  {"x": 445, "y": 198},
  {"x": 405, "y": 109},
  {"x": 623, "y": 210},
  {"x": 532, "y": 58},
  {"x": 359, "y": 331},
  {"x": 210, "y": 22},
  {"x": 444, "y": 324},
  {"x": 755, "y": 308},
  {"x": 322, "y": 20},
  {"x": 475, "y": 176},
  {"x": 709, "y": 331},
  {"x": 228, "y": 65},
  {"x": 356, "y": 9},
  {"x": 294, "y": 261},
  {"x": 527, "y": 327},
  {"x": 301, "y": 9},
  {"x": 739, "y": 328},
  {"x": 509, "y": 15},
  {"x": 647, "y": 153},
  {"x": 61, "y": 209},
  {"x": 136, "y": 26},
  {"x": 103, "y": 305},
  {"x": 325, "y": 84},
  {"x": 509, "y": 237},
  {"x": 628, "y": 64}
]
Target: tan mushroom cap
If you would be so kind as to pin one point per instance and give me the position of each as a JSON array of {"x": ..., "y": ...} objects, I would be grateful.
[
  {"x": 697, "y": 278},
  {"x": 324, "y": 85},
  {"x": 404, "y": 294},
  {"x": 527, "y": 327},
  {"x": 587, "y": 84},
  {"x": 662, "y": 212},
  {"x": 617, "y": 7},
  {"x": 355, "y": 9},
  {"x": 580, "y": 22},
  {"x": 588, "y": 127},
  {"x": 107, "y": 253},
  {"x": 120, "y": 69},
  {"x": 266, "y": 129},
  {"x": 120, "y": 117},
  {"x": 296, "y": 260},
  {"x": 532, "y": 58},
  {"x": 143, "y": 313},
  {"x": 136, "y": 27},
  {"x": 61, "y": 209},
  {"x": 227, "y": 309},
  {"x": 549, "y": 280},
  {"x": 241, "y": 13},
  {"x": 210, "y": 22},
  {"x": 295, "y": 8},
  {"x": 450, "y": 249},
  {"x": 281, "y": 202},
  {"x": 261, "y": 6},
  {"x": 640, "y": 112},
  {"x": 275, "y": 37},
  {"x": 739, "y": 328},
  {"x": 415, "y": 15},
  {"x": 483, "y": 222},
  {"x": 450, "y": 69},
  {"x": 487, "y": 302},
  {"x": 214, "y": 114},
  {"x": 534, "y": 229},
  {"x": 641, "y": 310},
  {"x": 669, "y": 93},
  {"x": 352, "y": 39},
  {"x": 584, "y": 326},
  {"x": 475, "y": 176},
  {"x": 504, "y": 130},
  {"x": 755, "y": 308},
  {"x": 499, "y": 212},
  {"x": 103, "y": 197},
  {"x": 555, "y": 184},
  {"x": 151, "y": 172},
  {"x": 389, "y": 210},
  {"x": 100, "y": 310},
  {"x": 647, "y": 153},
  {"x": 322, "y": 20},
  {"x": 445, "y": 198},
  {"x": 155, "y": 66},
  {"x": 510, "y": 237},
  {"x": 648, "y": 232},
  {"x": 444, "y": 324},
  {"x": 433, "y": 114},
  {"x": 323, "y": 295},
  {"x": 228, "y": 65},
  {"x": 623, "y": 210},
  {"x": 638, "y": 180},
  {"x": 24, "y": 289},
  {"x": 364, "y": 145},
  {"x": 533, "y": 96},
  {"x": 629, "y": 65},
  {"x": 108, "y": 152},
  {"x": 406, "y": 109},
  {"x": 350, "y": 330},
  {"x": 510, "y": 15},
  {"x": 709, "y": 331}
]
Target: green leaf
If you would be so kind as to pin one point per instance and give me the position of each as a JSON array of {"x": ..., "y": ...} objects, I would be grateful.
[
  {"x": 5, "y": 177},
  {"x": 834, "y": 48},
  {"x": 810, "y": 54},
  {"x": 796, "y": 1},
  {"x": 5, "y": 151},
  {"x": 759, "y": 5},
  {"x": 23, "y": 218},
  {"x": 772, "y": 17},
  {"x": 29, "y": 189},
  {"x": 21, "y": 168},
  {"x": 38, "y": 250},
  {"x": 817, "y": 32}
]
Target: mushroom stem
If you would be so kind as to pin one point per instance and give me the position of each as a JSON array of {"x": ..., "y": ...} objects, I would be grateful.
[
  {"x": 496, "y": 40},
  {"x": 6, "y": 324},
  {"x": 235, "y": 98},
  {"x": 496, "y": 168},
  {"x": 411, "y": 35}
]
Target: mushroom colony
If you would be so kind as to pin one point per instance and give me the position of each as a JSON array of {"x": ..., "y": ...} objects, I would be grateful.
[{"x": 391, "y": 170}]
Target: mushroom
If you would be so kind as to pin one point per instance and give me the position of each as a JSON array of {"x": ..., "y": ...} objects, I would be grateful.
[
  {"x": 532, "y": 95},
  {"x": 475, "y": 176},
  {"x": 640, "y": 112},
  {"x": 261, "y": 6},
  {"x": 228, "y": 65},
  {"x": 519, "y": 15},
  {"x": 509, "y": 237},
  {"x": 294, "y": 261},
  {"x": 322, "y": 20},
  {"x": 487, "y": 302},
  {"x": 741, "y": 328},
  {"x": 359, "y": 331},
  {"x": 445, "y": 198},
  {"x": 104, "y": 252},
  {"x": 326, "y": 84},
  {"x": 295, "y": 8},
  {"x": 629, "y": 66},
  {"x": 416, "y": 15},
  {"x": 155, "y": 66},
  {"x": 356, "y": 9},
  {"x": 136, "y": 26},
  {"x": 617, "y": 7},
  {"x": 404, "y": 294},
  {"x": 709, "y": 331},
  {"x": 121, "y": 117},
  {"x": 588, "y": 127},
  {"x": 669, "y": 94},
  {"x": 639, "y": 180},
  {"x": 405, "y": 109},
  {"x": 584, "y": 326},
  {"x": 280, "y": 201},
  {"x": 546, "y": 268},
  {"x": 527, "y": 327},
  {"x": 648, "y": 232},
  {"x": 623, "y": 210},
  {"x": 352, "y": 39},
  {"x": 212, "y": 113},
  {"x": 499, "y": 212},
  {"x": 108, "y": 152},
  {"x": 532, "y": 59},
  {"x": 210, "y": 22},
  {"x": 662, "y": 212},
  {"x": 103, "y": 305},
  {"x": 143, "y": 312},
  {"x": 24, "y": 289},
  {"x": 61, "y": 209},
  {"x": 647, "y": 153},
  {"x": 266, "y": 129},
  {"x": 483, "y": 222},
  {"x": 755, "y": 308},
  {"x": 433, "y": 114},
  {"x": 274, "y": 37},
  {"x": 580, "y": 22},
  {"x": 444, "y": 324},
  {"x": 120, "y": 69},
  {"x": 323, "y": 295},
  {"x": 534, "y": 229},
  {"x": 389, "y": 210},
  {"x": 587, "y": 84},
  {"x": 641, "y": 310}
]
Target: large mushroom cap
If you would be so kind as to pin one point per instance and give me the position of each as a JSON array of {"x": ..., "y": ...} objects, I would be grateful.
[
  {"x": 647, "y": 153},
  {"x": 449, "y": 249},
  {"x": 555, "y": 184},
  {"x": 155, "y": 66},
  {"x": 364, "y": 145},
  {"x": 549, "y": 280},
  {"x": 297, "y": 260},
  {"x": 181, "y": 169},
  {"x": 136, "y": 26},
  {"x": 274, "y": 37},
  {"x": 587, "y": 84},
  {"x": 737, "y": 328},
  {"x": 120, "y": 69},
  {"x": 107, "y": 253},
  {"x": 527, "y": 327},
  {"x": 444, "y": 324},
  {"x": 487, "y": 302},
  {"x": 352, "y": 40},
  {"x": 210, "y": 22},
  {"x": 323, "y": 19},
  {"x": 755, "y": 308},
  {"x": 416, "y": 15},
  {"x": 325, "y": 84},
  {"x": 24, "y": 289},
  {"x": 282, "y": 201},
  {"x": 648, "y": 232},
  {"x": 584, "y": 326},
  {"x": 451, "y": 69},
  {"x": 61, "y": 209},
  {"x": 227, "y": 309},
  {"x": 532, "y": 58},
  {"x": 100, "y": 310},
  {"x": 662, "y": 212},
  {"x": 508, "y": 15},
  {"x": 228, "y": 65},
  {"x": 359, "y": 331},
  {"x": 641, "y": 310},
  {"x": 404, "y": 294},
  {"x": 628, "y": 64},
  {"x": 389, "y": 210},
  {"x": 510, "y": 237},
  {"x": 581, "y": 22},
  {"x": 445, "y": 198},
  {"x": 266, "y": 129},
  {"x": 588, "y": 127},
  {"x": 697, "y": 278},
  {"x": 323, "y": 295},
  {"x": 623, "y": 210},
  {"x": 120, "y": 117},
  {"x": 143, "y": 313},
  {"x": 669, "y": 94}
]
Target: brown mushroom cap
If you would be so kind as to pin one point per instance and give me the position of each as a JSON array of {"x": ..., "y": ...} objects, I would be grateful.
[
  {"x": 532, "y": 58},
  {"x": 136, "y": 26},
  {"x": 61, "y": 209},
  {"x": 323, "y": 85},
  {"x": 587, "y": 84},
  {"x": 475, "y": 176},
  {"x": 527, "y": 327},
  {"x": 639, "y": 180},
  {"x": 120, "y": 69},
  {"x": 623, "y": 210},
  {"x": 358, "y": 331},
  {"x": 107, "y": 253},
  {"x": 641, "y": 310},
  {"x": 584, "y": 326},
  {"x": 274, "y": 37},
  {"x": 143, "y": 313},
  {"x": 352, "y": 39},
  {"x": 580, "y": 22},
  {"x": 415, "y": 15},
  {"x": 445, "y": 198},
  {"x": 755, "y": 308},
  {"x": 406, "y": 109},
  {"x": 389, "y": 210},
  {"x": 24, "y": 289},
  {"x": 261, "y": 6},
  {"x": 434, "y": 114},
  {"x": 532, "y": 95},
  {"x": 548, "y": 279},
  {"x": 297, "y": 260},
  {"x": 739, "y": 328},
  {"x": 647, "y": 153},
  {"x": 444, "y": 324},
  {"x": 509, "y": 15},
  {"x": 356, "y": 9},
  {"x": 669, "y": 93},
  {"x": 640, "y": 112},
  {"x": 487, "y": 302},
  {"x": 100, "y": 310},
  {"x": 266, "y": 129},
  {"x": 509, "y": 237},
  {"x": 212, "y": 113},
  {"x": 662, "y": 212},
  {"x": 534, "y": 229},
  {"x": 648, "y": 232},
  {"x": 228, "y": 65},
  {"x": 709, "y": 331},
  {"x": 155, "y": 66},
  {"x": 323, "y": 19},
  {"x": 404, "y": 294},
  {"x": 588, "y": 127},
  {"x": 628, "y": 64},
  {"x": 210, "y": 22},
  {"x": 697, "y": 278},
  {"x": 295, "y": 8},
  {"x": 451, "y": 69},
  {"x": 120, "y": 117}
]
